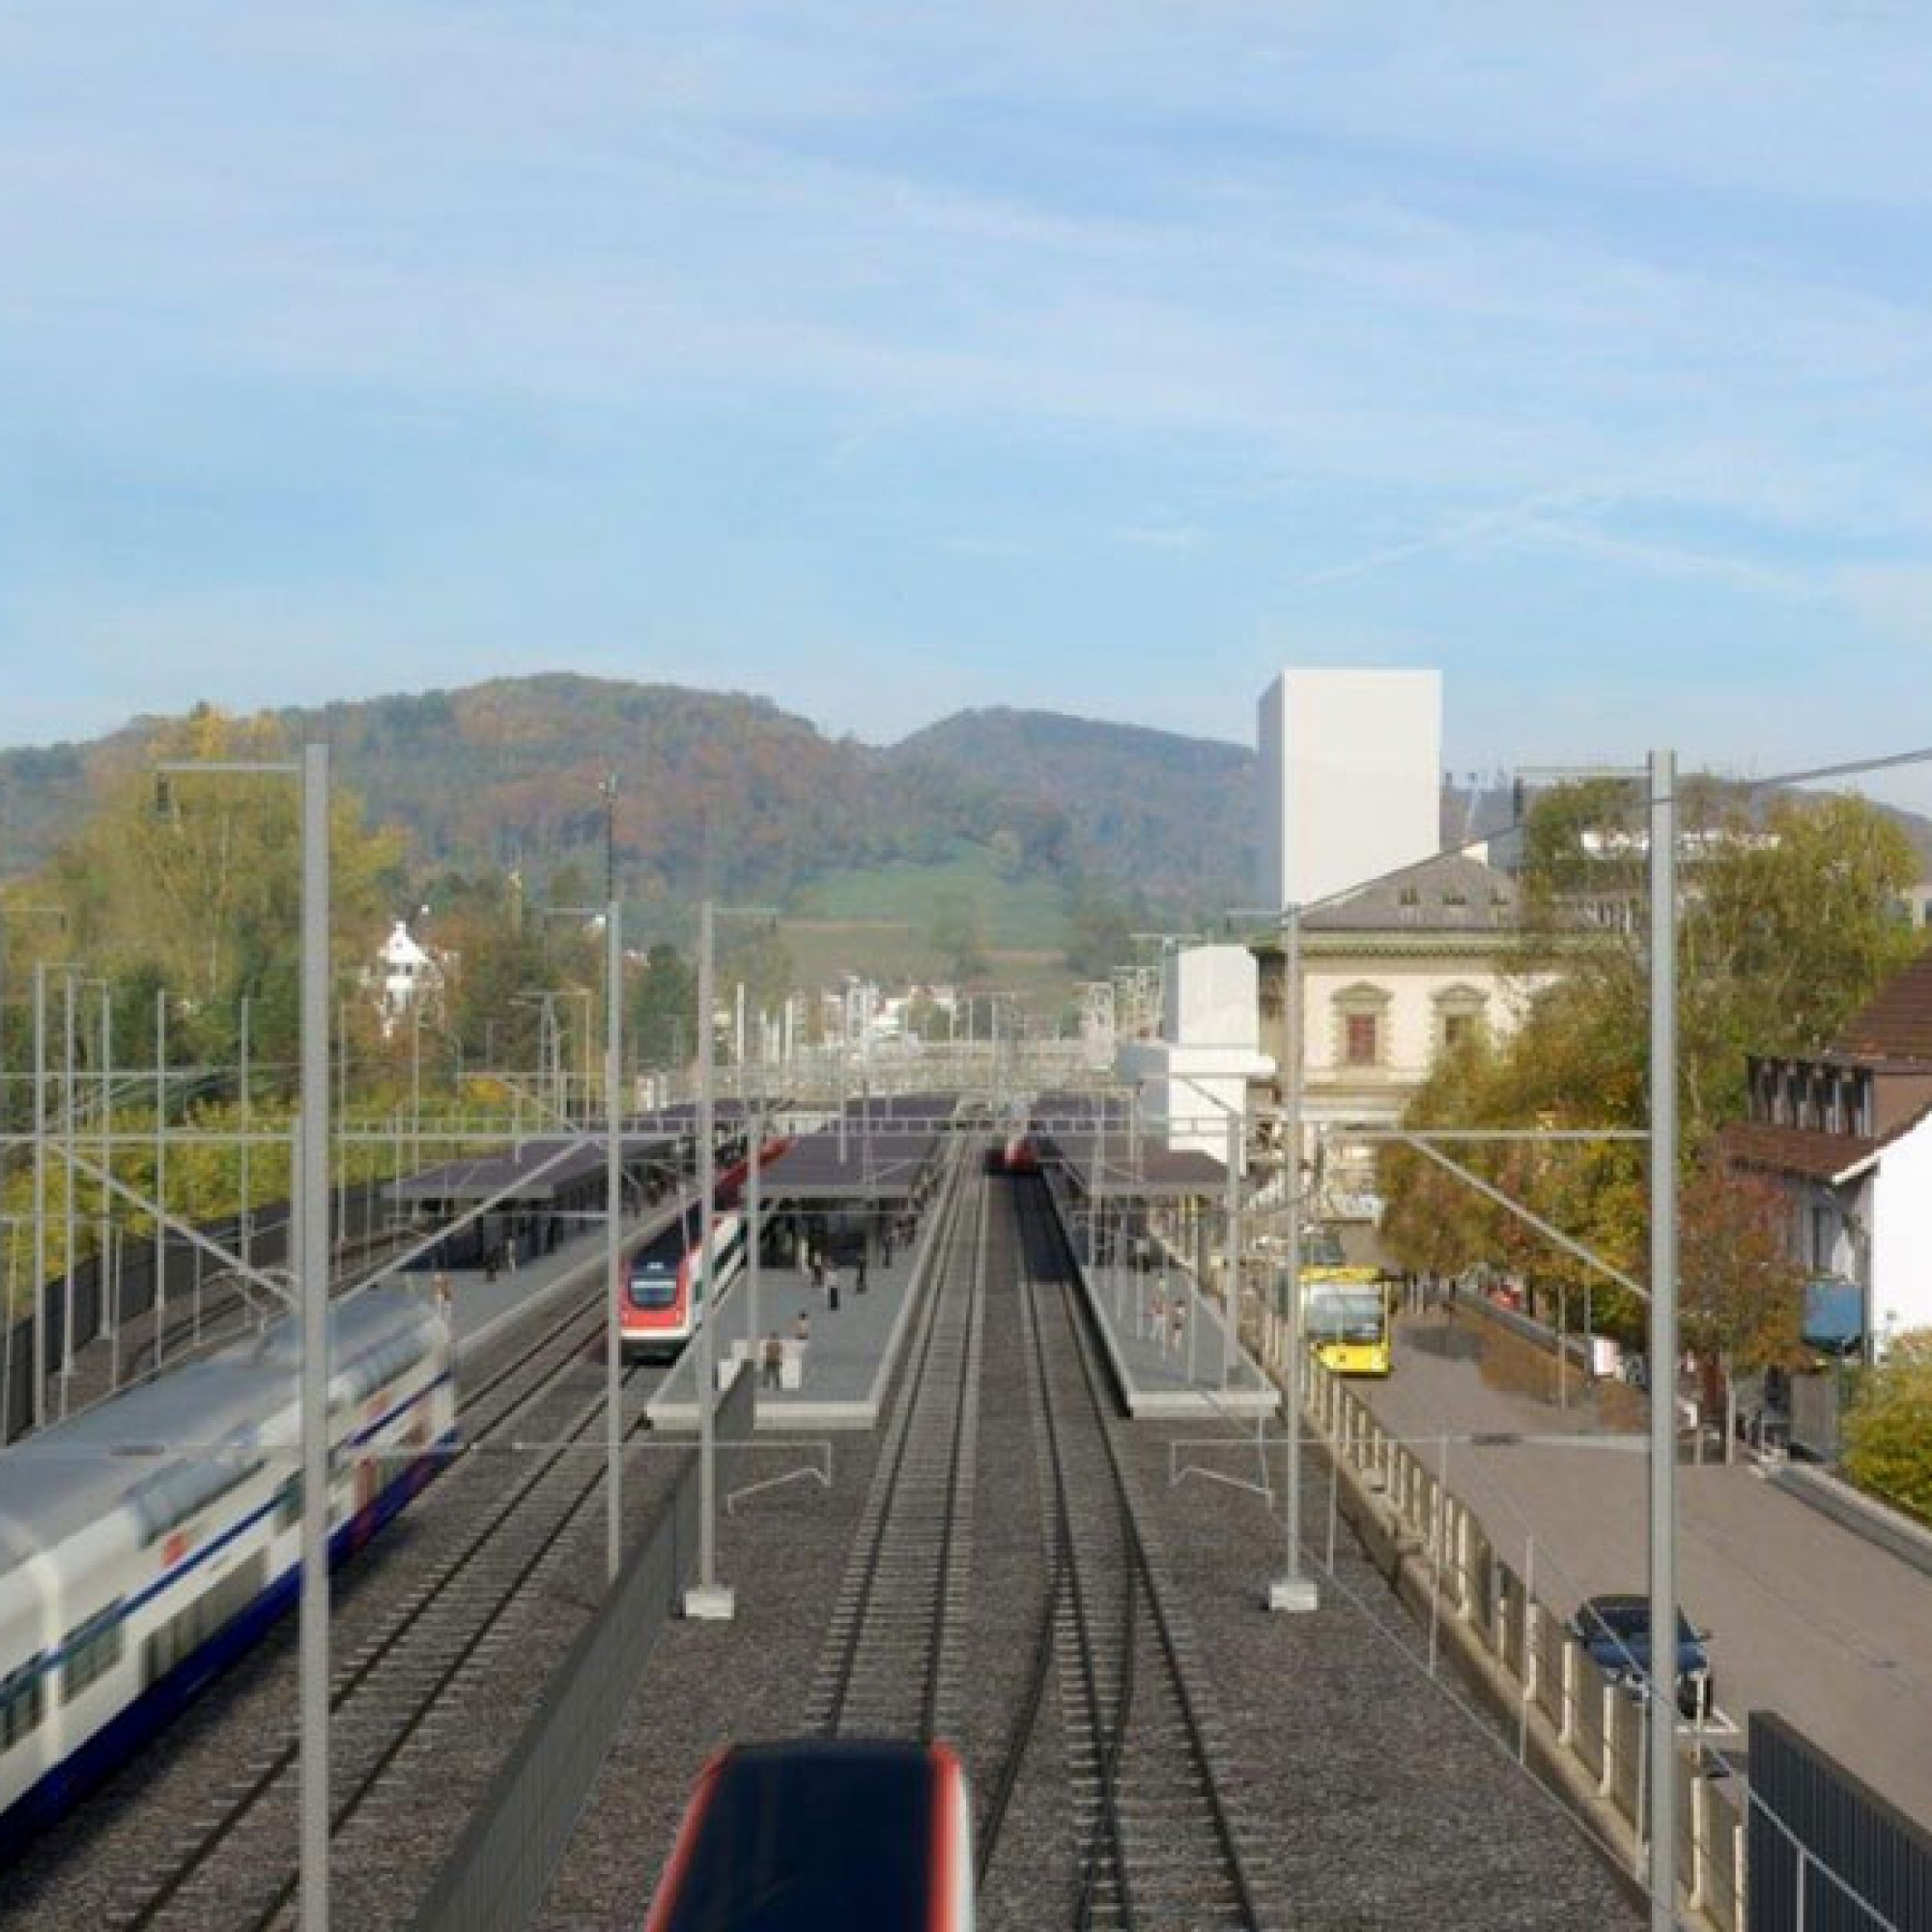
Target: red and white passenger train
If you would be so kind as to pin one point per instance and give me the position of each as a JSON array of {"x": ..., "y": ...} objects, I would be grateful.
[{"x": 664, "y": 1295}]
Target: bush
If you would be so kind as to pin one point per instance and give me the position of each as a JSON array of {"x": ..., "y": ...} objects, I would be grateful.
[{"x": 1889, "y": 1426}]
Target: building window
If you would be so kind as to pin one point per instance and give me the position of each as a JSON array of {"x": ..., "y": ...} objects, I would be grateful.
[
  {"x": 1824, "y": 1234},
  {"x": 1361, "y": 1036},
  {"x": 1459, "y": 1013}
]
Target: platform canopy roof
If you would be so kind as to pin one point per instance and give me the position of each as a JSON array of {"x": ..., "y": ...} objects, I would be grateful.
[
  {"x": 681, "y": 1116},
  {"x": 1095, "y": 1137},
  {"x": 877, "y": 1162},
  {"x": 1122, "y": 1166},
  {"x": 520, "y": 1173}
]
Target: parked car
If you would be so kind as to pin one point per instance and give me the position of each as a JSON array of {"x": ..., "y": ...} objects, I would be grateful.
[{"x": 1615, "y": 1629}]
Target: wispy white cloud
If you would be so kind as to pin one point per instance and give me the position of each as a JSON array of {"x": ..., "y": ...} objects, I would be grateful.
[{"x": 1629, "y": 295}]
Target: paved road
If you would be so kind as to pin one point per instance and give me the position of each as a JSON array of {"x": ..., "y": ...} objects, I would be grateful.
[{"x": 1810, "y": 1619}]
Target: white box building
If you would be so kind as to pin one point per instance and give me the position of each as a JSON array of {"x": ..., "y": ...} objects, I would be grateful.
[
  {"x": 1350, "y": 775},
  {"x": 1193, "y": 1081}
]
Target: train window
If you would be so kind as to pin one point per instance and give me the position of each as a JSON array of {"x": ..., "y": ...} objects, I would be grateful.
[
  {"x": 288, "y": 1504},
  {"x": 188, "y": 1629},
  {"x": 22, "y": 1703},
  {"x": 91, "y": 1650}
]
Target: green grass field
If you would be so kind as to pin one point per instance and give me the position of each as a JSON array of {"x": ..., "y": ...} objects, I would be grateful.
[
  {"x": 878, "y": 920},
  {"x": 1029, "y": 912}
]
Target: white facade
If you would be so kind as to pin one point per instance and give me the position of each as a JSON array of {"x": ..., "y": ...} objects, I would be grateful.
[
  {"x": 1193, "y": 1081},
  {"x": 1901, "y": 1234},
  {"x": 407, "y": 974},
  {"x": 1351, "y": 773},
  {"x": 1208, "y": 998}
]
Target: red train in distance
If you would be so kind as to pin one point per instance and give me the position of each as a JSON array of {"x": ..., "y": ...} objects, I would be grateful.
[
  {"x": 1016, "y": 1154},
  {"x": 659, "y": 1304},
  {"x": 823, "y": 1834}
]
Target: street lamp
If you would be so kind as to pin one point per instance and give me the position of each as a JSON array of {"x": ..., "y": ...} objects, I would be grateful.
[{"x": 311, "y": 1217}]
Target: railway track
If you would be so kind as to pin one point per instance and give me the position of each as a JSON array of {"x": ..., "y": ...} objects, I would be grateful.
[
  {"x": 890, "y": 1665},
  {"x": 1157, "y": 1842},
  {"x": 236, "y": 1868}
]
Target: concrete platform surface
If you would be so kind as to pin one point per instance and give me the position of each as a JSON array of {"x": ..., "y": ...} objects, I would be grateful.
[
  {"x": 1169, "y": 1347},
  {"x": 849, "y": 1358}
]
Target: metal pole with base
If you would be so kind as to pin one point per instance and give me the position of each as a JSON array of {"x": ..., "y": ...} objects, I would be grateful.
[
  {"x": 38, "y": 1409},
  {"x": 1230, "y": 1302},
  {"x": 754, "y": 1232},
  {"x": 1662, "y": 1712},
  {"x": 312, "y": 1249},
  {"x": 1292, "y": 1591},
  {"x": 613, "y": 1260},
  {"x": 707, "y": 1598}
]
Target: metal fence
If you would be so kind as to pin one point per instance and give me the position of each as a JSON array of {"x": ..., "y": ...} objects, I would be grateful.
[
  {"x": 1594, "y": 1733},
  {"x": 123, "y": 1291},
  {"x": 497, "y": 1878},
  {"x": 1828, "y": 1854}
]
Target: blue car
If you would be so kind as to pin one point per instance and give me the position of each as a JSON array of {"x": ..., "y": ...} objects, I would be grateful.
[{"x": 1615, "y": 1631}]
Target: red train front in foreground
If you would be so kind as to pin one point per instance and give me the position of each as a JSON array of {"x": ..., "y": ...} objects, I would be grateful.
[
  {"x": 823, "y": 1834},
  {"x": 662, "y": 1301}
]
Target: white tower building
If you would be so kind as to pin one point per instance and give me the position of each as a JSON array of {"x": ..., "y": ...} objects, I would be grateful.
[{"x": 1350, "y": 775}]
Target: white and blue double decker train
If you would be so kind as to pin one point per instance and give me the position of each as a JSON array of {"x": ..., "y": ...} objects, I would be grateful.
[{"x": 145, "y": 1543}]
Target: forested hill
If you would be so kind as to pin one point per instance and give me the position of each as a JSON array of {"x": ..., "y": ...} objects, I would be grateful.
[
  {"x": 1053, "y": 825},
  {"x": 508, "y": 773},
  {"x": 1174, "y": 814}
]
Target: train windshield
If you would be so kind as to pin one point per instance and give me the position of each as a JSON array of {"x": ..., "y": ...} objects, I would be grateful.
[
  {"x": 804, "y": 1840},
  {"x": 654, "y": 1272},
  {"x": 653, "y": 1287}
]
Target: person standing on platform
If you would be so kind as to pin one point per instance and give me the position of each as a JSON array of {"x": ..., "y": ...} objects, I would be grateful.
[
  {"x": 818, "y": 1270},
  {"x": 832, "y": 1286},
  {"x": 775, "y": 1354},
  {"x": 510, "y": 1253},
  {"x": 859, "y": 1284}
]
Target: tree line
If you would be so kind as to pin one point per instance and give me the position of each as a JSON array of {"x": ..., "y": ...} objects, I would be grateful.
[{"x": 1791, "y": 919}]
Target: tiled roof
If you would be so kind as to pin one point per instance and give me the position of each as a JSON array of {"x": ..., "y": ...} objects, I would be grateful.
[
  {"x": 1896, "y": 1022},
  {"x": 1448, "y": 894},
  {"x": 1793, "y": 1150}
]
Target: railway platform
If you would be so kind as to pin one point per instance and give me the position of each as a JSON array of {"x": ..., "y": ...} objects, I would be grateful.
[
  {"x": 847, "y": 1361},
  {"x": 1165, "y": 1341},
  {"x": 1170, "y": 1351}
]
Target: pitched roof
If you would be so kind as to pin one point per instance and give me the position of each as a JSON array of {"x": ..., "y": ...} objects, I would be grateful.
[
  {"x": 1451, "y": 892},
  {"x": 1896, "y": 1022}
]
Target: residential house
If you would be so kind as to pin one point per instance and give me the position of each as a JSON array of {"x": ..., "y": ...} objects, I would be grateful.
[{"x": 1848, "y": 1134}]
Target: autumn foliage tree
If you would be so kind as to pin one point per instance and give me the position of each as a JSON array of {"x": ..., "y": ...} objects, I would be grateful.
[
  {"x": 195, "y": 890},
  {"x": 1788, "y": 923},
  {"x": 1740, "y": 1288}
]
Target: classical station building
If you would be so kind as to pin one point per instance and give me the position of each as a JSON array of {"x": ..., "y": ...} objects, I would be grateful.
[{"x": 1390, "y": 976}]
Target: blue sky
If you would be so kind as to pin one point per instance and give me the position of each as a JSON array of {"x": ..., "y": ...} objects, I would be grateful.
[{"x": 889, "y": 358}]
